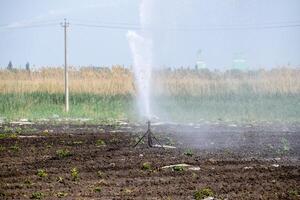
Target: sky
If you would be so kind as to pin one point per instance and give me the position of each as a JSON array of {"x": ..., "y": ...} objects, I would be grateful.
[{"x": 266, "y": 33}]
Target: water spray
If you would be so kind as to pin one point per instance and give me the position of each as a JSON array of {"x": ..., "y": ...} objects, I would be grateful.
[{"x": 141, "y": 45}]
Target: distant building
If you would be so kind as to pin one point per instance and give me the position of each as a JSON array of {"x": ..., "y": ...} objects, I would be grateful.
[
  {"x": 200, "y": 64},
  {"x": 239, "y": 62}
]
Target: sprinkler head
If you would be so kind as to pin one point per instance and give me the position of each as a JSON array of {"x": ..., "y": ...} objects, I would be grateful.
[
  {"x": 149, "y": 125},
  {"x": 149, "y": 137}
]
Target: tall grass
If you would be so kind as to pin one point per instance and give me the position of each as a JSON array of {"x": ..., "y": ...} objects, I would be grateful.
[
  {"x": 37, "y": 105},
  {"x": 177, "y": 94},
  {"x": 205, "y": 83},
  {"x": 120, "y": 81},
  {"x": 114, "y": 81}
]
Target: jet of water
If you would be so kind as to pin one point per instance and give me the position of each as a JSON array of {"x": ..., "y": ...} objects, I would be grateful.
[{"x": 140, "y": 43}]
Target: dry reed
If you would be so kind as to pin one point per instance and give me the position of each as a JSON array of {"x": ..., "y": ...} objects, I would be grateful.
[{"x": 119, "y": 81}]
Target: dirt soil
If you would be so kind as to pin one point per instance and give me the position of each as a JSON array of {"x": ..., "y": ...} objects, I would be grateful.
[{"x": 236, "y": 162}]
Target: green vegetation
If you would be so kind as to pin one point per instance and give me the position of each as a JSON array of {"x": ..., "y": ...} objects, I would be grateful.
[
  {"x": 74, "y": 174},
  {"x": 2, "y": 194},
  {"x": 241, "y": 106},
  {"x": 285, "y": 145},
  {"x": 15, "y": 147},
  {"x": 8, "y": 135},
  {"x": 62, "y": 153},
  {"x": 146, "y": 166},
  {"x": 18, "y": 130},
  {"x": 28, "y": 182},
  {"x": 42, "y": 173},
  {"x": 126, "y": 191},
  {"x": 203, "y": 193},
  {"x": 37, "y": 105},
  {"x": 283, "y": 148},
  {"x": 8, "y": 129},
  {"x": 100, "y": 174},
  {"x": 178, "y": 168},
  {"x": 13, "y": 135},
  {"x": 97, "y": 189},
  {"x": 77, "y": 142},
  {"x": 60, "y": 179},
  {"x": 61, "y": 194},
  {"x": 189, "y": 152},
  {"x": 294, "y": 193},
  {"x": 2, "y": 148},
  {"x": 100, "y": 143},
  {"x": 37, "y": 195},
  {"x": 169, "y": 141},
  {"x": 4, "y": 136}
]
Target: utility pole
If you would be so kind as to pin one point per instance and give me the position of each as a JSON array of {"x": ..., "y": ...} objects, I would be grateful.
[{"x": 65, "y": 25}]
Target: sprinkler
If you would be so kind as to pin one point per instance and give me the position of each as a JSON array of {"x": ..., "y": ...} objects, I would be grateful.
[{"x": 149, "y": 135}]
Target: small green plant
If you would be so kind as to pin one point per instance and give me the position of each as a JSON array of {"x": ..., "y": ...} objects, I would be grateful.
[
  {"x": 62, "y": 153},
  {"x": 77, "y": 142},
  {"x": 60, "y": 179},
  {"x": 169, "y": 141},
  {"x": 15, "y": 147},
  {"x": 8, "y": 135},
  {"x": 203, "y": 193},
  {"x": 61, "y": 194},
  {"x": 28, "y": 182},
  {"x": 3, "y": 136},
  {"x": 270, "y": 146},
  {"x": 13, "y": 136},
  {"x": 285, "y": 145},
  {"x": 42, "y": 173},
  {"x": 127, "y": 191},
  {"x": 8, "y": 129},
  {"x": 114, "y": 140},
  {"x": 293, "y": 193},
  {"x": 284, "y": 148},
  {"x": 2, "y": 194},
  {"x": 194, "y": 175},
  {"x": 37, "y": 195},
  {"x": 177, "y": 168},
  {"x": 18, "y": 130},
  {"x": 146, "y": 166},
  {"x": 100, "y": 143},
  {"x": 74, "y": 174},
  {"x": 97, "y": 189},
  {"x": 45, "y": 132},
  {"x": 2, "y": 148},
  {"x": 188, "y": 152},
  {"x": 100, "y": 174}
]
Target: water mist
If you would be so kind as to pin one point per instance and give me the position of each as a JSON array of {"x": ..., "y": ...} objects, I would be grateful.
[{"x": 140, "y": 43}]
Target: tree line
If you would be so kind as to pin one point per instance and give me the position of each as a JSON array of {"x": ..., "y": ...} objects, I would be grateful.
[{"x": 10, "y": 66}]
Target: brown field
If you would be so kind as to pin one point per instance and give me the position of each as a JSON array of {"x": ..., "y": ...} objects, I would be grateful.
[
  {"x": 119, "y": 80},
  {"x": 235, "y": 162}
]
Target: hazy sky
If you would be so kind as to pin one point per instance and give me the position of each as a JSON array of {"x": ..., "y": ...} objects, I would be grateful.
[{"x": 266, "y": 32}]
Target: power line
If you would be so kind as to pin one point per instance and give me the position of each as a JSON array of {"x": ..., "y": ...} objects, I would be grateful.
[
  {"x": 207, "y": 28},
  {"x": 12, "y": 27},
  {"x": 181, "y": 28},
  {"x": 104, "y": 22},
  {"x": 106, "y": 26},
  {"x": 29, "y": 24},
  {"x": 80, "y": 21}
]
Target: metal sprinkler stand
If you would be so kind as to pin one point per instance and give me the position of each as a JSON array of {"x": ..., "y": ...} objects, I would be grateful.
[{"x": 150, "y": 137}]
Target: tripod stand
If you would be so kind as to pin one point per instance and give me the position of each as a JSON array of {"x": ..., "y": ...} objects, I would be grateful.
[{"x": 150, "y": 137}]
